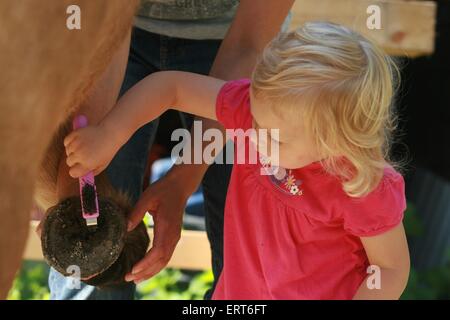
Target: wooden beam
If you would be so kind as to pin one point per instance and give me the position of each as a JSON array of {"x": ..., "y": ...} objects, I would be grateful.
[
  {"x": 192, "y": 252},
  {"x": 407, "y": 27}
]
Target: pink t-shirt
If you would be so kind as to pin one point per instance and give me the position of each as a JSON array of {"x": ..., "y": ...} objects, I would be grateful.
[{"x": 296, "y": 236}]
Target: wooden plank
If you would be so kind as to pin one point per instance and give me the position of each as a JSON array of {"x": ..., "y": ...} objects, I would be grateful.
[
  {"x": 407, "y": 27},
  {"x": 192, "y": 251},
  {"x": 33, "y": 250}
]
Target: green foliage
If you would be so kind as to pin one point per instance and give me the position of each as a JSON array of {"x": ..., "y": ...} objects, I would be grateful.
[
  {"x": 430, "y": 284},
  {"x": 31, "y": 282},
  {"x": 173, "y": 284},
  {"x": 412, "y": 223},
  {"x": 169, "y": 284}
]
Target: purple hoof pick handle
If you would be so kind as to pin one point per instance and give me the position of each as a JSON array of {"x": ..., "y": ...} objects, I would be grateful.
[{"x": 88, "y": 192}]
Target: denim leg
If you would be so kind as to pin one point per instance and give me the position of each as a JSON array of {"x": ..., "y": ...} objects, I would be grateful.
[
  {"x": 126, "y": 172},
  {"x": 198, "y": 56},
  {"x": 60, "y": 288}
]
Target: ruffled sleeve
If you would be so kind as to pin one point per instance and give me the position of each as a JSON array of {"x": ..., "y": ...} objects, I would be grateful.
[
  {"x": 233, "y": 105},
  {"x": 379, "y": 211}
]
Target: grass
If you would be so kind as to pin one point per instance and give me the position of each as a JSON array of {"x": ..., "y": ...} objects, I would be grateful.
[{"x": 31, "y": 283}]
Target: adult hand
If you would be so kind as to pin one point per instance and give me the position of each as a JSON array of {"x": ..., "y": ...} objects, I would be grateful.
[{"x": 165, "y": 200}]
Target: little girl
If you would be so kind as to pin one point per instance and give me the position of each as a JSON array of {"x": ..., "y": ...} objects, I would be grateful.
[{"x": 328, "y": 223}]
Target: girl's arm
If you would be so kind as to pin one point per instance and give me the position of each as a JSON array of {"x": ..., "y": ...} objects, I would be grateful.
[
  {"x": 155, "y": 94},
  {"x": 92, "y": 148},
  {"x": 389, "y": 255}
]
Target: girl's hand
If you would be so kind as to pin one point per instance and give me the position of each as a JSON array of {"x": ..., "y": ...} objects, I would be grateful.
[{"x": 89, "y": 149}]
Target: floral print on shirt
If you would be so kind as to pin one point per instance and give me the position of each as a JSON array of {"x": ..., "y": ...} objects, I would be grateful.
[{"x": 282, "y": 178}]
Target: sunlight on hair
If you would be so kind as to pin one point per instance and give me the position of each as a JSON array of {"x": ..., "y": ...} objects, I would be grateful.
[{"x": 341, "y": 86}]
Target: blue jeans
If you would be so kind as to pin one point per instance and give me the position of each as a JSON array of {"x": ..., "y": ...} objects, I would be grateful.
[{"x": 150, "y": 53}]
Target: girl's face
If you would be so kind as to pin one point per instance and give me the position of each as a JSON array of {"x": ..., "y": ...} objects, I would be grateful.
[{"x": 296, "y": 148}]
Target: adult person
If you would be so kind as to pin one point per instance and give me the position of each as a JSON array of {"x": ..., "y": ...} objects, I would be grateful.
[{"x": 218, "y": 37}]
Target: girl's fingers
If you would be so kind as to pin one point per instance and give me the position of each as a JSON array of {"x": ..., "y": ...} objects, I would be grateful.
[
  {"x": 69, "y": 148},
  {"x": 77, "y": 171},
  {"x": 97, "y": 171},
  {"x": 69, "y": 138},
  {"x": 72, "y": 147},
  {"x": 71, "y": 160}
]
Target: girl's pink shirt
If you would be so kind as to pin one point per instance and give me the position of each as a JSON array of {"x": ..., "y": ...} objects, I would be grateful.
[{"x": 296, "y": 245}]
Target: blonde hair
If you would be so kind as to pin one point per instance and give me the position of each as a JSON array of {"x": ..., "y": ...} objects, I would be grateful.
[{"x": 344, "y": 85}]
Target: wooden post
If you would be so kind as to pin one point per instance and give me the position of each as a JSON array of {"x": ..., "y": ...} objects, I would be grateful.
[{"x": 407, "y": 27}]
